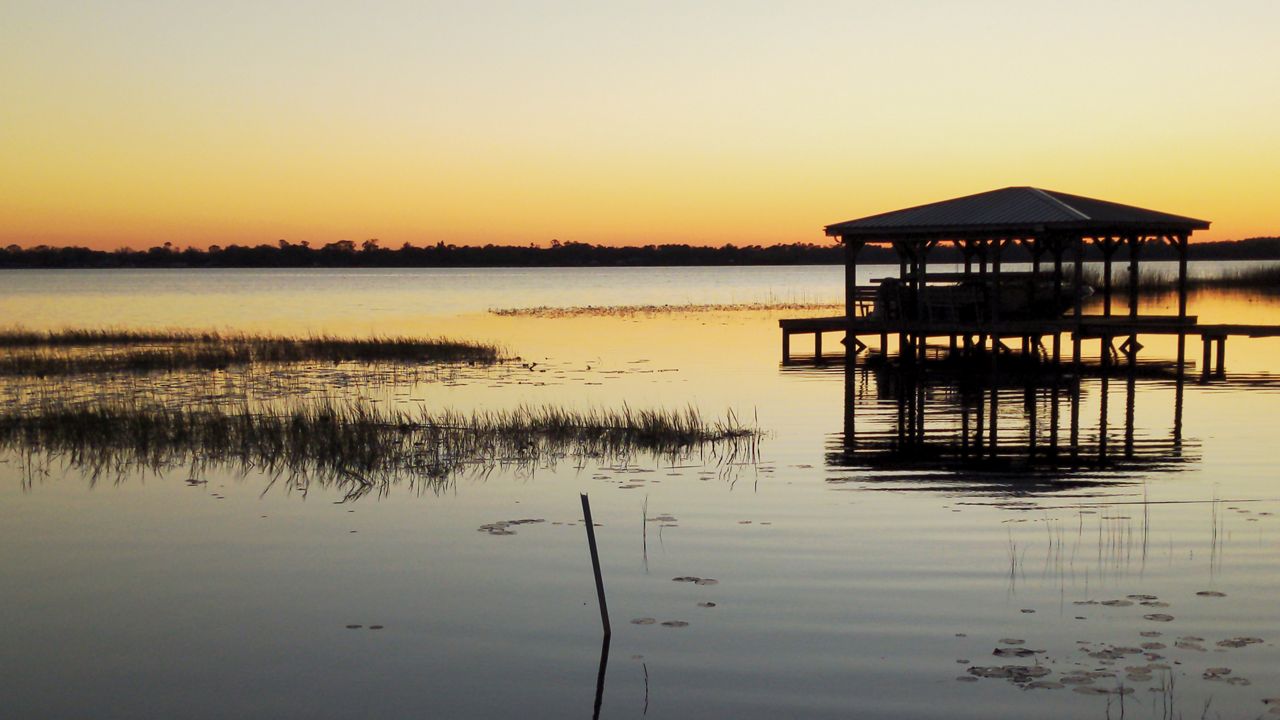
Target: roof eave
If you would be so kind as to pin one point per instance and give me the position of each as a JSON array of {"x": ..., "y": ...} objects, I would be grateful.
[{"x": 1088, "y": 227}]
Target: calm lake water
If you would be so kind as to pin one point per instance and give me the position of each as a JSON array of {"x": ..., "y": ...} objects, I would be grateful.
[{"x": 845, "y": 587}]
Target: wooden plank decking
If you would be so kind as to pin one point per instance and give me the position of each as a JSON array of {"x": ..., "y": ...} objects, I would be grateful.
[{"x": 1089, "y": 327}]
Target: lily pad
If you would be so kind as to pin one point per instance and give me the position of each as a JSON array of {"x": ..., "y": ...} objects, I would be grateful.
[
  {"x": 1237, "y": 642},
  {"x": 1014, "y": 652}
]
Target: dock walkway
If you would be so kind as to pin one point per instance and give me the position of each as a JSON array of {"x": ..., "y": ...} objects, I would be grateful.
[{"x": 1105, "y": 328}]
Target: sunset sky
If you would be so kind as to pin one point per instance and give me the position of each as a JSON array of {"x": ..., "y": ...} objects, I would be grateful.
[{"x": 136, "y": 123}]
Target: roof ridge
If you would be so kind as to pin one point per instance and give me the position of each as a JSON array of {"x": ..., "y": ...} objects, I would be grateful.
[{"x": 1050, "y": 197}]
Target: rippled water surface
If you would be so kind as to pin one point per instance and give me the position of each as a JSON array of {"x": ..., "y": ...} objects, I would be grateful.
[{"x": 846, "y": 584}]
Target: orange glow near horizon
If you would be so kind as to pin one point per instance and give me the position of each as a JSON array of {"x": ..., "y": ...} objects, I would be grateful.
[{"x": 726, "y": 123}]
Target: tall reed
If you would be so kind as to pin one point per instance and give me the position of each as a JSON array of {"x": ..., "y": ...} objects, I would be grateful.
[
  {"x": 1262, "y": 279},
  {"x": 66, "y": 352},
  {"x": 354, "y": 443}
]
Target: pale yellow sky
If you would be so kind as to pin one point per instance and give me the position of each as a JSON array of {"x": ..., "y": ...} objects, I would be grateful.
[{"x": 131, "y": 123}]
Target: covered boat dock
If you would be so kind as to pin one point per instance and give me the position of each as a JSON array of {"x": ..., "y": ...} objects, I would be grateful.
[{"x": 981, "y": 308}]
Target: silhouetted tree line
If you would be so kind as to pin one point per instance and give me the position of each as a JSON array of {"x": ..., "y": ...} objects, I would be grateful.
[{"x": 345, "y": 253}]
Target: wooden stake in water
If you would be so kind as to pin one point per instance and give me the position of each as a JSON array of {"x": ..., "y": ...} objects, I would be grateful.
[{"x": 595, "y": 564}]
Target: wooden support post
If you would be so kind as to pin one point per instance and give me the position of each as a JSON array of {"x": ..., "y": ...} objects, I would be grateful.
[
  {"x": 786, "y": 347},
  {"x": 1135, "y": 250},
  {"x": 995, "y": 283},
  {"x": 595, "y": 564},
  {"x": 1206, "y": 360},
  {"x": 1182, "y": 277},
  {"x": 1181, "y": 242},
  {"x": 922, "y": 269},
  {"x": 903, "y": 279},
  {"x": 1035, "y": 249},
  {"x": 1221, "y": 369},
  {"x": 1077, "y": 285},
  {"x": 922, "y": 312},
  {"x": 817, "y": 347},
  {"x": 1108, "y": 245},
  {"x": 1056, "y": 249},
  {"x": 851, "y": 249}
]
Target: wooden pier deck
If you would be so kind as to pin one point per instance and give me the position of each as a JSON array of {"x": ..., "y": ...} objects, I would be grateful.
[{"x": 1105, "y": 328}]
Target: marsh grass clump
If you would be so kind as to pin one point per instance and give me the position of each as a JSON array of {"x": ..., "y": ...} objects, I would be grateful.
[
  {"x": 354, "y": 443},
  {"x": 1258, "y": 279},
  {"x": 84, "y": 337},
  {"x": 70, "y": 352},
  {"x": 545, "y": 311}
]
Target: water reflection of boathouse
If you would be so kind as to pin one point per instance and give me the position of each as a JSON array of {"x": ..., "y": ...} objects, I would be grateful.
[{"x": 950, "y": 348}]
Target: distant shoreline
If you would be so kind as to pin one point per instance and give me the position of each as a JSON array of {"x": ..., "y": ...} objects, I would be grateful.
[{"x": 346, "y": 254}]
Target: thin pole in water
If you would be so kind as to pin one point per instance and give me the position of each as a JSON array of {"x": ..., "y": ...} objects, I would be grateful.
[{"x": 595, "y": 564}]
